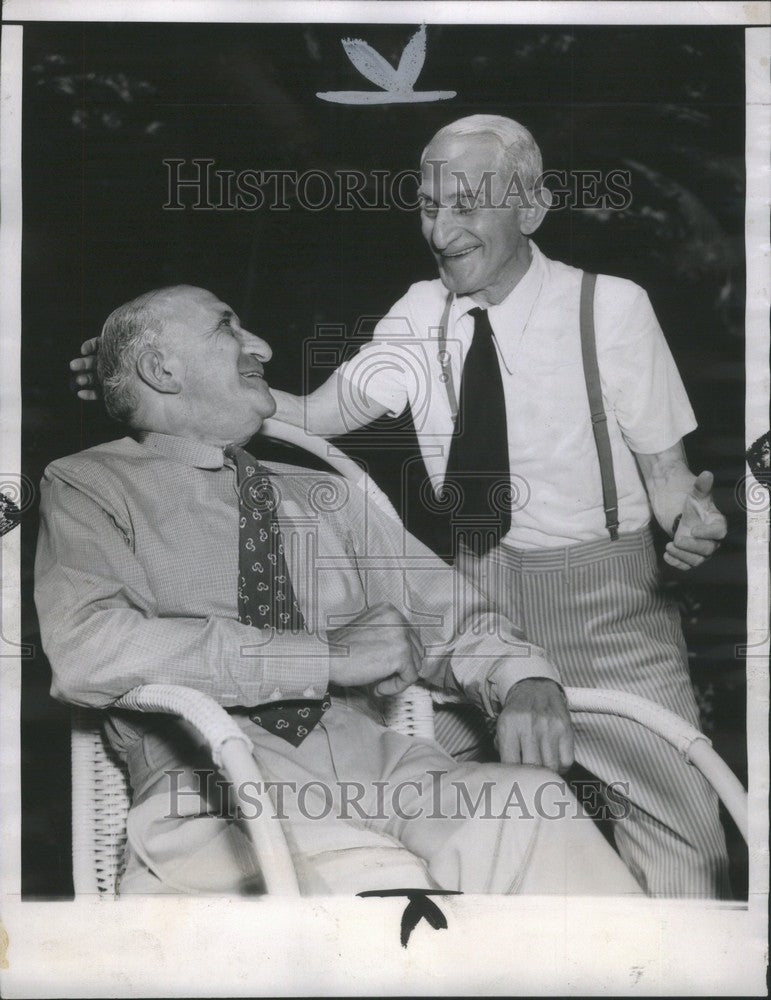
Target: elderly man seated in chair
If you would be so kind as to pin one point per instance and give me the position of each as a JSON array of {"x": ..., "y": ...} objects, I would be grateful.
[{"x": 174, "y": 556}]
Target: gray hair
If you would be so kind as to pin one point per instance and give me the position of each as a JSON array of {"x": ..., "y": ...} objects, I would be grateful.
[
  {"x": 127, "y": 331},
  {"x": 519, "y": 146}
]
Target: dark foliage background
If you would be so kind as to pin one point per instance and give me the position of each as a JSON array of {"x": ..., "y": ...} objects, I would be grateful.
[{"x": 104, "y": 105}]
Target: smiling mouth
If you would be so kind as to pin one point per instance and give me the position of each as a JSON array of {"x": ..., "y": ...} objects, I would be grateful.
[{"x": 458, "y": 254}]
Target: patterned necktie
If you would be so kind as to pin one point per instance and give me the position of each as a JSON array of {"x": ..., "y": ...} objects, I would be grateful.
[
  {"x": 265, "y": 595},
  {"x": 478, "y": 464}
]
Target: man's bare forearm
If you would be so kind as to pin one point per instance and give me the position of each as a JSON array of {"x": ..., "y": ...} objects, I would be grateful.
[
  {"x": 683, "y": 506},
  {"x": 289, "y": 408},
  {"x": 324, "y": 411},
  {"x": 668, "y": 481}
]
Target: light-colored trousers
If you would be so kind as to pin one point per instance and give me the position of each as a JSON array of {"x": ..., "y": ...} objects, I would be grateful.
[
  {"x": 428, "y": 822},
  {"x": 598, "y": 610}
]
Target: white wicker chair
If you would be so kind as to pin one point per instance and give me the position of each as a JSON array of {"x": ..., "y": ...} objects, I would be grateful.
[
  {"x": 100, "y": 791},
  {"x": 101, "y": 794}
]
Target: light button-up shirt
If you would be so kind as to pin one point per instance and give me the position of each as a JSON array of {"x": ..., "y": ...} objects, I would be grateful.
[
  {"x": 552, "y": 455},
  {"x": 137, "y": 571}
]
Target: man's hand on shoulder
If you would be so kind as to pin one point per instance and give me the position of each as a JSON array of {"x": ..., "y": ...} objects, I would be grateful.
[
  {"x": 379, "y": 648},
  {"x": 534, "y": 726},
  {"x": 85, "y": 382},
  {"x": 699, "y": 529}
]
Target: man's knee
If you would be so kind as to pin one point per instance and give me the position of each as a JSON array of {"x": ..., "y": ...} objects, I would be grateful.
[
  {"x": 515, "y": 791},
  {"x": 532, "y": 780}
]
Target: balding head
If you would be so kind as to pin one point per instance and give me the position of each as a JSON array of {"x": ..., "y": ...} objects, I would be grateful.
[
  {"x": 128, "y": 330},
  {"x": 177, "y": 361}
]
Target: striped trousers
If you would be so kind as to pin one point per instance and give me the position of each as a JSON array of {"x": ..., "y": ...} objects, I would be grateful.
[{"x": 598, "y": 610}]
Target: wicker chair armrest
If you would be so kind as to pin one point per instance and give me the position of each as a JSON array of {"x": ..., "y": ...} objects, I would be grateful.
[
  {"x": 231, "y": 751},
  {"x": 694, "y": 746},
  {"x": 197, "y": 708},
  {"x": 656, "y": 718},
  {"x": 313, "y": 443},
  {"x": 690, "y": 742},
  {"x": 333, "y": 456}
]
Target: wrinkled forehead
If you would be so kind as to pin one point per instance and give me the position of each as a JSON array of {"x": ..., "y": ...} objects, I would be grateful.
[
  {"x": 456, "y": 163},
  {"x": 189, "y": 310}
]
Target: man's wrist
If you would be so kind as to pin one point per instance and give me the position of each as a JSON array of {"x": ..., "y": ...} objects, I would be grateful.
[
  {"x": 508, "y": 673},
  {"x": 286, "y": 406},
  {"x": 533, "y": 680}
]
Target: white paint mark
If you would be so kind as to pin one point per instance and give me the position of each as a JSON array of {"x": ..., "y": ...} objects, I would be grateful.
[{"x": 396, "y": 84}]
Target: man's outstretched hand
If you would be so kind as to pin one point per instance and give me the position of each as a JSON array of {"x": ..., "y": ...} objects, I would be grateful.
[
  {"x": 85, "y": 382},
  {"x": 701, "y": 527},
  {"x": 534, "y": 726}
]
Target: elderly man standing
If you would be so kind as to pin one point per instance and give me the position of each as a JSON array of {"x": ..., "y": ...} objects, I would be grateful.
[
  {"x": 566, "y": 393},
  {"x": 528, "y": 381},
  {"x": 550, "y": 416},
  {"x": 176, "y": 557}
]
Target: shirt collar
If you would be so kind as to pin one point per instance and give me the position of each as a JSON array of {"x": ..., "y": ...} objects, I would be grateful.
[
  {"x": 185, "y": 450},
  {"x": 510, "y": 317},
  {"x": 514, "y": 311}
]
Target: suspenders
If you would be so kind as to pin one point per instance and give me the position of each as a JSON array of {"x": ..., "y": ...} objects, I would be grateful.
[
  {"x": 593, "y": 391},
  {"x": 444, "y": 358},
  {"x": 596, "y": 407}
]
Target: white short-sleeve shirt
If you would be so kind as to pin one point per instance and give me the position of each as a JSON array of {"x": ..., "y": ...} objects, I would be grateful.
[{"x": 553, "y": 459}]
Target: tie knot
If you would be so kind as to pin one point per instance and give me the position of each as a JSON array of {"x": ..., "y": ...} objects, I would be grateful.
[
  {"x": 248, "y": 469},
  {"x": 238, "y": 457},
  {"x": 481, "y": 322}
]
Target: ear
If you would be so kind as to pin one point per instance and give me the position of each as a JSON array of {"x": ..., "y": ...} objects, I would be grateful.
[
  {"x": 153, "y": 370},
  {"x": 531, "y": 216}
]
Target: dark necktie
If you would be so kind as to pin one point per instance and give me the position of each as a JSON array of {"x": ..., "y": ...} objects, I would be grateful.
[
  {"x": 478, "y": 464},
  {"x": 265, "y": 595}
]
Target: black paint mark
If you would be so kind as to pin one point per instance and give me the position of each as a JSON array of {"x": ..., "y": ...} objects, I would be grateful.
[{"x": 419, "y": 906}]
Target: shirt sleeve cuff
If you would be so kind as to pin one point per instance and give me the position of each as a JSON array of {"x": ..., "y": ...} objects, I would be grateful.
[
  {"x": 641, "y": 445},
  {"x": 506, "y": 674},
  {"x": 285, "y": 668},
  {"x": 491, "y": 671}
]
